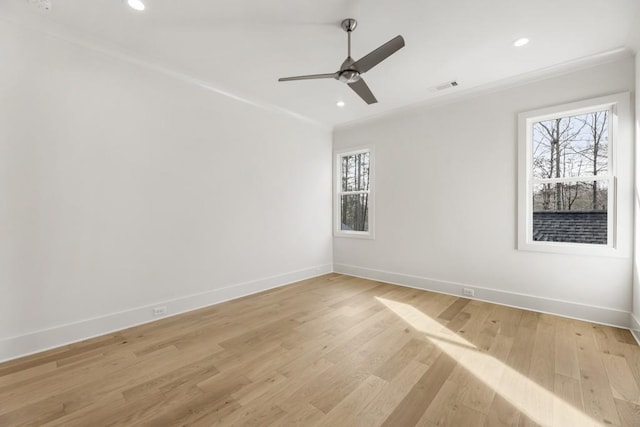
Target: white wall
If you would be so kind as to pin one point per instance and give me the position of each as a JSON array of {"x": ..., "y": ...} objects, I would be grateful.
[
  {"x": 122, "y": 188},
  {"x": 635, "y": 321},
  {"x": 634, "y": 42},
  {"x": 446, "y": 193}
]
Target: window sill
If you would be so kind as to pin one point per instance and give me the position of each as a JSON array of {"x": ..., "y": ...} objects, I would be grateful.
[
  {"x": 354, "y": 235},
  {"x": 572, "y": 249}
]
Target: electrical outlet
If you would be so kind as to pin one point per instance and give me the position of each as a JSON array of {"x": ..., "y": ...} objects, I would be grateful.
[
  {"x": 159, "y": 311},
  {"x": 468, "y": 292}
]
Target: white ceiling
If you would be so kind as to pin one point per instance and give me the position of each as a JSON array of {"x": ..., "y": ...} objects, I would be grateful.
[{"x": 242, "y": 47}]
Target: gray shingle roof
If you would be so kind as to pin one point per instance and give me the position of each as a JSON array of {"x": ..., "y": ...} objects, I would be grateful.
[{"x": 570, "y": 226}]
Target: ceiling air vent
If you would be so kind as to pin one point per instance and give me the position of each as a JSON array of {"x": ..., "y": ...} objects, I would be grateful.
[{"x": 443, "y": 86}]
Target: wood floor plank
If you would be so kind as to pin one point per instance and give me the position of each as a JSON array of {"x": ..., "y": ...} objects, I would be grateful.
[
  {"x": 439, "y": 411},
  {"x": 304, "y": 415},
  {"x": 568, "y": 390},
  {"x": 454, "y": 309},
  {"x": 503, "y": 413},
  {"x": 623, "y": 384},
  {"x": 520, "y": 356},
  {"x": 608, "y": 340},
  {"x": 347, "y": 411},
  {"x": 290, "y": 394},
  {"x": 629, "y": 413},
  {"x": 632, "y": 356},
  {"x": 464, "y": 416},
  {"x": 542, "y": 369},
  {"x": 473, "y": 392},
  {"x": 478, "y": 314},
  {"x": 411, "y": 408},
  {"x": 390, "y": 397},
  {"x": 255, "y": 416},
  {"x": 508, "y": 320},
  {"x": 335, "y": 350},
  {"x": 566, "y": 350},
  {"x": 28, "y": 374},
  {"x": 395, "y": 364},
  {"x": 596, "y": 389}
]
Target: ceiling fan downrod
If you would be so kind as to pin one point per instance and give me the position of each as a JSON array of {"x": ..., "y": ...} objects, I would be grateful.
[
  {"x": 347, "y": 73},
  {"x": 349, "y": 25}
]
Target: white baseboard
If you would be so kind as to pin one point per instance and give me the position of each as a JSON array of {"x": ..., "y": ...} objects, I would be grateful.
[
  {"x": 590, "y": 313},
  {"x": 635, "y": 327},
  {"x": 34, "y": 342}
]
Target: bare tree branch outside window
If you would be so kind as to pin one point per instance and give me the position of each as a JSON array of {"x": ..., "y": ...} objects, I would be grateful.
[
  {"x": 575, "y": 147},
  {"x": 354, "y": 194}
]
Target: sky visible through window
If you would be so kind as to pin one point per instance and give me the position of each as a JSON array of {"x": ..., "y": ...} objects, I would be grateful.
[
  {"x": 576, "y": 147},
  {"x": 570, "y": 168}
]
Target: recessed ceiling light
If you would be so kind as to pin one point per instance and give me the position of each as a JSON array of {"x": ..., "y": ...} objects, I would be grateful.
[
  {"x": 521, "y": 42},
  {"x": 136, "y": 4},
  {"x": 340, "y": 104}
]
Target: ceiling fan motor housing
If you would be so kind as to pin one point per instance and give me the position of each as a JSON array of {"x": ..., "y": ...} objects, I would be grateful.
[
  {"x": 349, "y": 76},
  {"x": 347, "y": 73}
]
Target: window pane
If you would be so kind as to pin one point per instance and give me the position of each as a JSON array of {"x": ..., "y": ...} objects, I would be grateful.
[
  {"x": 355, "y": 212},
  {"x": 572, "y": 146},
  {"x": 355, "y": 172},
  {"x": 572, "y": 212}
]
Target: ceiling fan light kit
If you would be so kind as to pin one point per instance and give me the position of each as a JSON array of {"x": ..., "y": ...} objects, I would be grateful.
[{"x": 351, "y": 71}]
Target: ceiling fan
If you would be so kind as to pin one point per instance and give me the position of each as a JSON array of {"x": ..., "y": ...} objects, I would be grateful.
[{"x": 351, "y": 71}]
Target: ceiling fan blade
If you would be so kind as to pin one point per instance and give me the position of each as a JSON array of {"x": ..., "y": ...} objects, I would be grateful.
[
  {"x": 309, "y": 77},
  {"x": 378, "y": 55},
  {"x": 361, "y": 88}
]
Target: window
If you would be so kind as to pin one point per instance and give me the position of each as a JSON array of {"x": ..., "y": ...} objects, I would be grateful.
[
  {"x": 354, "y": 198},
  {"x": 567, "y": 177}
]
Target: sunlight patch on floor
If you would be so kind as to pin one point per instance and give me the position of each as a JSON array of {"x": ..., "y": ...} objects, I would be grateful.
[{"x": 536, "y": 402}]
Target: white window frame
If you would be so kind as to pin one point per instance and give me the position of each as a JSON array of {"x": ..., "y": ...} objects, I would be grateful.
[
  {"x": 337, "y": 220},
  {"x": 618, "y": 106}
]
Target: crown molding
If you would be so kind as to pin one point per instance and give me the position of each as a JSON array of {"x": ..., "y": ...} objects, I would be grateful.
[
  {"x": 497, "y": 86},
  {"x": 120, "y": 54}
]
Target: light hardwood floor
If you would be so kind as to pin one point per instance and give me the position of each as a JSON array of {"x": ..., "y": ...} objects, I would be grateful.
[{"x": 335, "y": 351}]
